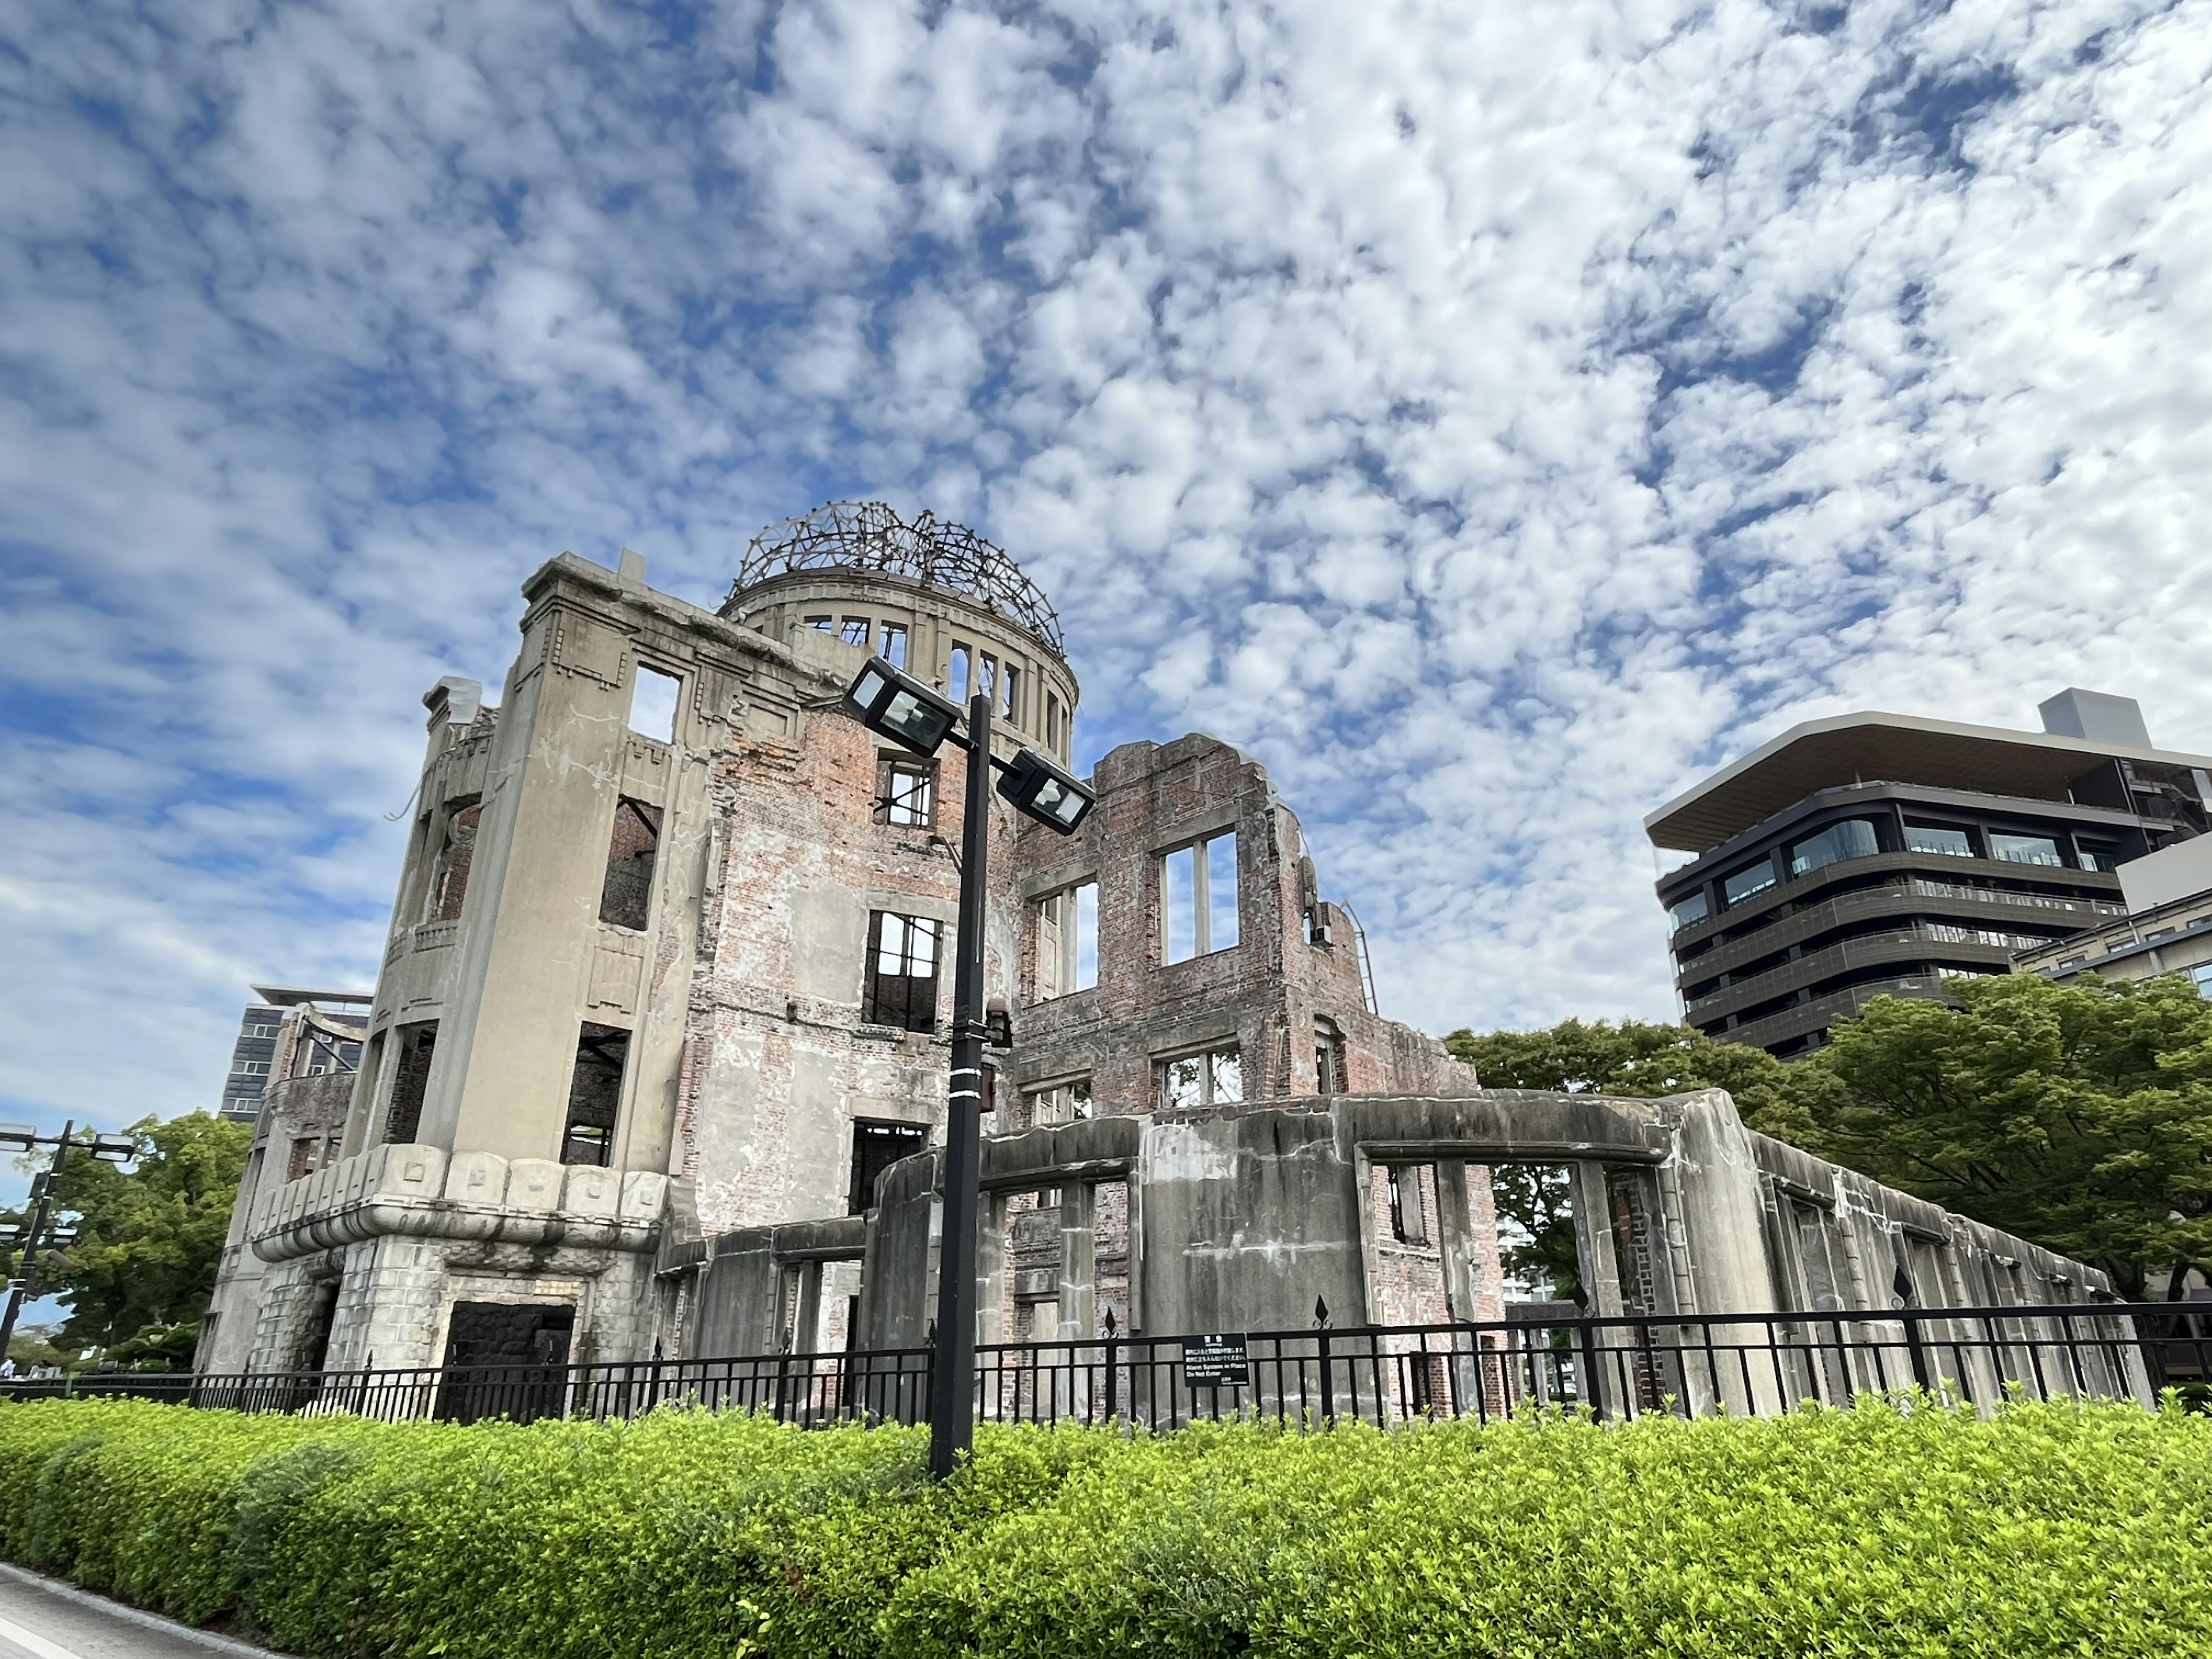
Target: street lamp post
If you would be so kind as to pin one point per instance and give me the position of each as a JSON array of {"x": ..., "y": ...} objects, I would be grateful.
[
  {"x": 37, "y": 1229},
  {"x": 902, "y": 708}
]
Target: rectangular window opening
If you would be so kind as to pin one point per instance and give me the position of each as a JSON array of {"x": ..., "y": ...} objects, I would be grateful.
[
  {"x": 1009, "y": 695},
  {"x": 1067, "y": 941},
  {"x": 1686, "y": 912},
  {"x": 1064, "y": 1102},
  {"x": 986, "y": 676},
  {"x": 410, "y": 1080},
  {"x": 955, "y": 674},
  {"x": 1330, "y": 1070},
  {"x": 901, "y": 987},
  {"x": 1538, "y": 1253},
  {"x": 1215, "y": 1078},
  {"x": 626, "y": 896},
  {"x": 826, "y": 624},
  {"x": 893, "y": 650},
  {"x": 909, "y": 793},
  {"x": 875, "y": 1147},
  {"x": 595, "y": 1095},
  {"x": 652, "y": 703},
  {"x": 1408, "y": 1226},
  {"x": 1052, "y": 726},
  {"x": 1198, "y": 898},
  {"x": 856, "y": 630}
]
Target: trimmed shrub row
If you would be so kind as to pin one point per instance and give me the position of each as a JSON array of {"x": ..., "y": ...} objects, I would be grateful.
[{"x": 2052, "y": 1529}]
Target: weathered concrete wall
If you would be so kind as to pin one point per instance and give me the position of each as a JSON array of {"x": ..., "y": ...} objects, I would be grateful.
[
  {"x": 1246, "y": 1215},
  {"x": 762, "y": 1290}
]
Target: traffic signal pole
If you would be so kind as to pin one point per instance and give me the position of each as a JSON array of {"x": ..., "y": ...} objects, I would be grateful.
[{"x": 42, "y": 1206}]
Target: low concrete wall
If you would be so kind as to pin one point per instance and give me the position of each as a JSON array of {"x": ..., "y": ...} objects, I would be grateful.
[{"x": 1243, "y": 1216}]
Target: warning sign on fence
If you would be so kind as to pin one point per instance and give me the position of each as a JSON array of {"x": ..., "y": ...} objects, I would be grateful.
[{"x": 1216, "y": 1362}]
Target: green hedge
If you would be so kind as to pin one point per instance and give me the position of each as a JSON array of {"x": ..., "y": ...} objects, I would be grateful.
[{"x": 2050, "y": 1530}]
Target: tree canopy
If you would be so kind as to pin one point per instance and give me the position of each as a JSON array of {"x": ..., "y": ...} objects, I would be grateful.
[
  {"x": 150, "y": 1238},
  {"x": 2078, "y": 1116}
]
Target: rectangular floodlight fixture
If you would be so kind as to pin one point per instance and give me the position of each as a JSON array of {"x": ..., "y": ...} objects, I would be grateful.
[
  {"x": 115, "y": 1149},
  {"x": 901, "y": 707},
  {"x": 1052, "y": 796}
]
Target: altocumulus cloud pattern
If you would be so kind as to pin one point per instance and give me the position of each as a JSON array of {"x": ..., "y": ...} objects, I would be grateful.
[{"x": 1489, "y": 414}]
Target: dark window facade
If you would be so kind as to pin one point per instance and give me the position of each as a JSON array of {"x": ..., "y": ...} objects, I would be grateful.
[{"x": 1881, "y": 890}]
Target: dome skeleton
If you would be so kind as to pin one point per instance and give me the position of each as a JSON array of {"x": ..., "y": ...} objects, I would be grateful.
[{"x": 871, "y": 535}]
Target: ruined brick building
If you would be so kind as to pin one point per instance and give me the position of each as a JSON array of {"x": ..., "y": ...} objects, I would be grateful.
[{"x": 656, "y": 1054}]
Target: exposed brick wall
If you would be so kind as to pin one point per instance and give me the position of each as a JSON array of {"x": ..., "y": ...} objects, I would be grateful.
[
  {"x": 1267, "y": 994},
  {"x": 779, "y": 1061}
]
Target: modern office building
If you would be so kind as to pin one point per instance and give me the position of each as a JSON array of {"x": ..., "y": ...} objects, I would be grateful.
[
  {"x": 2166, "y": 927},
  {"x": 253, "y": 1057},
  {"x": 1876, "y": 854}
]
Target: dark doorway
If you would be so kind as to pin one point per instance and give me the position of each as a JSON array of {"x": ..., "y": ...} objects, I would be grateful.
[
  {"x": 875, "y": 1147},
  {"x": 506, "y": 1359},
  {"x": 322, "y": 1314}
]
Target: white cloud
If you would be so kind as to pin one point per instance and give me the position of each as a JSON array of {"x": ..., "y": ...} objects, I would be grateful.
[{"x": 1491, "y": 418}]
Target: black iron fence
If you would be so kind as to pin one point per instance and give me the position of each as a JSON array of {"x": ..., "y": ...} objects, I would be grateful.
[{"x": 1733, "y": 1363}]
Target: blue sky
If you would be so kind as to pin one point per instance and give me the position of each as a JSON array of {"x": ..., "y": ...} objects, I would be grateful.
[{"x": 1492, "y": 416}]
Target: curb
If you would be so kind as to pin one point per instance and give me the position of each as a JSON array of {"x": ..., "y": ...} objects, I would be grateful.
[{"x": 139, "y": 1616}]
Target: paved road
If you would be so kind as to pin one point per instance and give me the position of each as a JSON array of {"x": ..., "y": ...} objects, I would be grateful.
[{"x": 39, "y": 1623}]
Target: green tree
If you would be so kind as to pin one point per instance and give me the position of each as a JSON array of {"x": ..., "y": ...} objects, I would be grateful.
[
  {"x": 1639, "y": 1058},
  {"x": 2078, "y": 1116},
  {"x": 148, "y": 1238}
]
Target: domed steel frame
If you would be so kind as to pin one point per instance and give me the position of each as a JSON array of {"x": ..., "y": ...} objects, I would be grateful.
[{"x": 871, "y": 536}]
